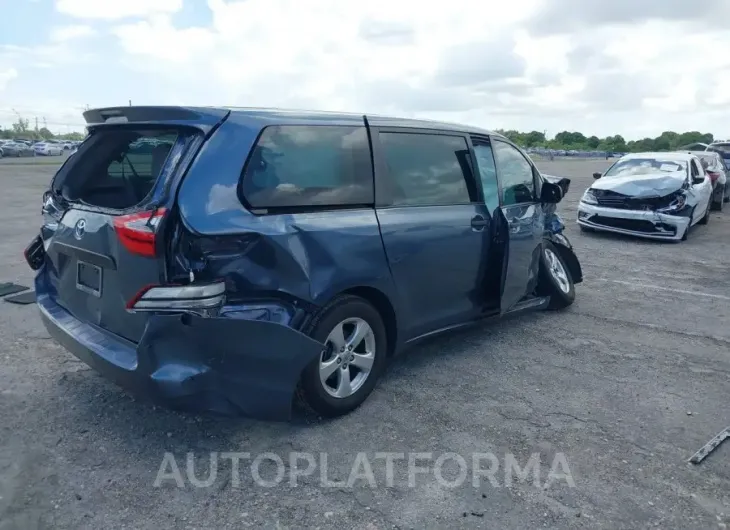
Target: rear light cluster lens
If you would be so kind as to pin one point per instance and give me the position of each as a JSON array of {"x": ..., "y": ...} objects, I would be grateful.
[
  {"x": 137, "y": 231},
  {"x": 195, "y": 298},
  {"x": 35, "y": 253}
]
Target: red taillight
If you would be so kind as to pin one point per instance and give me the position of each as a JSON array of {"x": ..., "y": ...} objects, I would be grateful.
[
  {"x": 202, "y": 299},
  {"x": 137, "y": 231}
]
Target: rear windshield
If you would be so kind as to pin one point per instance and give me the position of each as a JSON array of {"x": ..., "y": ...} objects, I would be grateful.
[
  {"x": 115, "y": 168},
  {"x": 644, "y": 166},
  {"x": 723, "y": 149},
  {"x": 295, "y": 166}
]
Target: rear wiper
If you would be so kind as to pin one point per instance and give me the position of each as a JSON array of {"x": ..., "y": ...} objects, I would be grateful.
[{"x": 136, "y": 175}]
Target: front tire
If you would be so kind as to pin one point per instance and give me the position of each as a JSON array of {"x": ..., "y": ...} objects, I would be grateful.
[
  {"x": 352, "y": 360},
  {"x": 555, "y": 279},
  {"x": 717, "y": 199}
]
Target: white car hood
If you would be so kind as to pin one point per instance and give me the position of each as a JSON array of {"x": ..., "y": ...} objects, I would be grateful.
[{"x": 642, "y": 186}]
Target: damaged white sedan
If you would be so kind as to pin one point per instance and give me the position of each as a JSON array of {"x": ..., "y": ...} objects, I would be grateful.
[{"x": 650, "y": 195}]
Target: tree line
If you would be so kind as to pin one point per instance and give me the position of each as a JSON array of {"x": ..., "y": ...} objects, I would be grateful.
[
  {"x": 566, "y": 140},
  {"x": 21, "y": 130}
]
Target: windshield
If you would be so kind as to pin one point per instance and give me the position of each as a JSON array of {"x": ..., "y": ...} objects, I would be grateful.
[{"x": 644, "y": 166}]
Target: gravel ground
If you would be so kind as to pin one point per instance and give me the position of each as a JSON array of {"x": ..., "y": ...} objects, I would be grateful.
[{"x": 622, "y": 388}]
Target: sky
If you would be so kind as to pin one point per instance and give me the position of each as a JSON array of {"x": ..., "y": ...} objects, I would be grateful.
[{"x": 629, "y": 67}]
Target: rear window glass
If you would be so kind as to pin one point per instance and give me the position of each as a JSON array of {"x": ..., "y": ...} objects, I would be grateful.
[
  {"x": 116, "y": 168},
  {"x": 143, "y": 158},
  {"x": 295, "y": 166}
]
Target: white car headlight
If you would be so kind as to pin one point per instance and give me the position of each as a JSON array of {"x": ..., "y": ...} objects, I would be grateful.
[
  {"x": 676, "y": 205},
  {"x": 589, "y": 197}
]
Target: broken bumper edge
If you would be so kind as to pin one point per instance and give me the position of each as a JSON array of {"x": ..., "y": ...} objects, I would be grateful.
[
  {"x": 646, "y": 224},
  {"x": 222, "y": 365}
]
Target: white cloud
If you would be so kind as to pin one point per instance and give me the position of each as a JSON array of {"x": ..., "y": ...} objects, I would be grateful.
[
  {"x": 6, "y": 76},
  {"x": 67, "y": 33},
  {"x": 116, "y": 9},
  {"x": 158, "y": 38},
  {"x": 629, "y": 68}
]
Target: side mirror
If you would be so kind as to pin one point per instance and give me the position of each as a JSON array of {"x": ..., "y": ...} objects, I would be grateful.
[
  {"x": 550, "y": 193},
  {"x": 698, "y": 180},
  {"x": 596, "y": 176}
]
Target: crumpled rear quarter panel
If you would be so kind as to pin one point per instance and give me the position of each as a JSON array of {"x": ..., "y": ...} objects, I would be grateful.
[{"x": 307, "y": 257}]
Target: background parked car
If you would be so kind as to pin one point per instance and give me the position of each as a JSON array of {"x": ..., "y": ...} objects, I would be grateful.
[
  {"x": 48, "y": 149},
  {"x": 651, "y": 195},
  {"x": 17, "y": 149},
  {"x": 723, "y": 149},
  {"x": 715, "y": 168}
]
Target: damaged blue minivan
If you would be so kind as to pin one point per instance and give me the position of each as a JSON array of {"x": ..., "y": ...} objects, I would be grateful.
[{"x": 237, "y": 260}]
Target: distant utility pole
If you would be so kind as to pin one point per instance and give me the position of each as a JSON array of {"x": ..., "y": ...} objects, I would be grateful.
[
  {"x": 130, "y": 102},
  {"x": 36, "y": 123}
]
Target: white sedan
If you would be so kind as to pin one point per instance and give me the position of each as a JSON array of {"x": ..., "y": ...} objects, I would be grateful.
[
  {"x": 651, "y": 195},
  {"x": 45, "y": 149}
]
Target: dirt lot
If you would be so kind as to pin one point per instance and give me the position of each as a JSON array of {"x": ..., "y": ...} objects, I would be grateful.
[{"x": 626, "y": 385}]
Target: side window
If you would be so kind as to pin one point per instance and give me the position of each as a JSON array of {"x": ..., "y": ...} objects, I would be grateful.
[
  {"x": 427, "y": 169},
  {"x": 487, "y": 174},
  {"x": 295, "y": 166},
  {"x": 515, "y": 173}
]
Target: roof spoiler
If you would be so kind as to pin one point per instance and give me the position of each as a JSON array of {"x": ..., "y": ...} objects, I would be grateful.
[{"x": 171, "y": 115}]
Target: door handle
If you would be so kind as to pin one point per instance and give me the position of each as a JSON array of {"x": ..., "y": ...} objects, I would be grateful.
[{"x": 478, "y": 222}]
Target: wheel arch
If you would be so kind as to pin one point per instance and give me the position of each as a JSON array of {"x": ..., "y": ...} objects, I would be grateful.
[
  {"x": 570, "y": 259},
  {"x": 380, "y": 301}
]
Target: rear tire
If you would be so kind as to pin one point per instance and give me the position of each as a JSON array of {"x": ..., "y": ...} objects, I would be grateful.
[
  {"x": 355, "y": 348},
  {"x": 555, "y": 279},
  {"x": 717, "y": 200}
]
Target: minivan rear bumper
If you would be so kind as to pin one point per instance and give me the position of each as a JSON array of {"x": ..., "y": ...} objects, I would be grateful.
[{"x": 222, "y": 365}]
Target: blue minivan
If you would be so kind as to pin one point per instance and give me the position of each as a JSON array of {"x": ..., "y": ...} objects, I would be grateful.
[{"x": 237, "y": 260}]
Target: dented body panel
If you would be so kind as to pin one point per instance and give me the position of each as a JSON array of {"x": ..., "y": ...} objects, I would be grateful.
[
  {"x": 643, "y": 186},
  {"x": 554, "y": 228},
  {"x": 251, "y": 367}
]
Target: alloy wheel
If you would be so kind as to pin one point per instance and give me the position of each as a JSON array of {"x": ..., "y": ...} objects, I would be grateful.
[
  {"x": 557, "y": 271},
  {"x": 347, "y": 359}
]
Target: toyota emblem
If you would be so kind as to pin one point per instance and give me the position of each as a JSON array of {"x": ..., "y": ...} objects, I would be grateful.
[{"x": 79, "y": 229}]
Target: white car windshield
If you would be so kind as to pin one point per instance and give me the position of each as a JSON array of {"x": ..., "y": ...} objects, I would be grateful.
[{"x": 645, "y": 166}]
